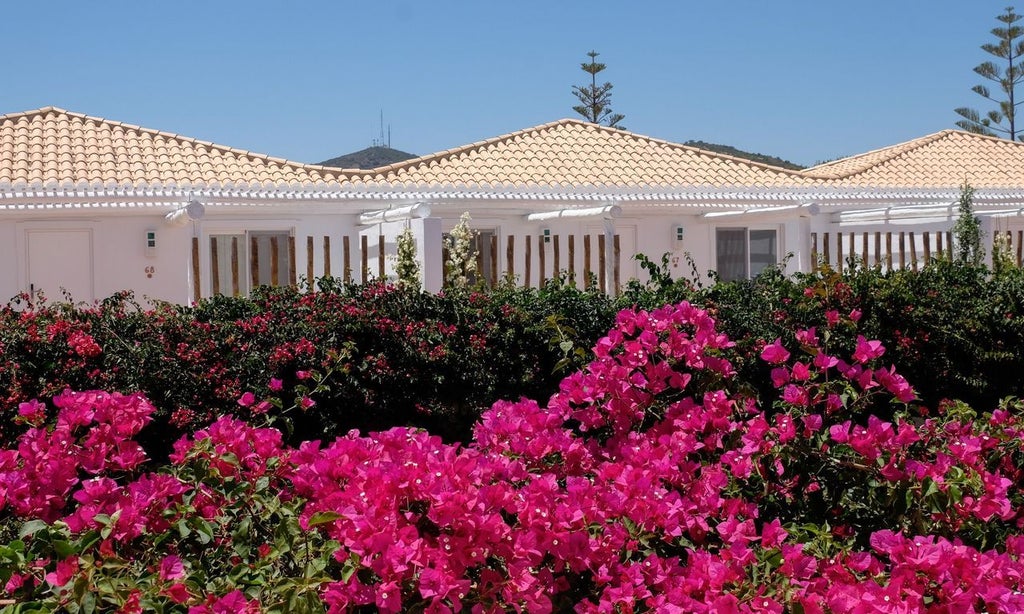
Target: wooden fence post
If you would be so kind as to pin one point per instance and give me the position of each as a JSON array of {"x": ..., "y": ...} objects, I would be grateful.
[
  {"x": 913, "y": 253},
  {"x": 814, "y": 252},
  {"x": 541, "y": 252},
  {"x": 195, "y": 270},
  {"x": 292, "y": 277},
  {"x": 381, "y": 259},
  {"x": 214, "y": 266},
  {"x": 903, "y": 257},
  {"x": 274, "y": 254},
  {"x": 327, "y": 257},
  {"x": 557, "y": 257},
  {"x": 616, "y": 251},
  {"x": 510, "y": 262},
  {"x": 529, "y": 257},
  {"x": 254, "y": 263},
  {"x": 601, "y": 263},
  {"x": 309, "y": 264},
  {"x": 235, "y": 289},
  {"x": 586, "y": 262},
  {"x": 572, "y": 259},
  {"x": 888, "y": 251}
]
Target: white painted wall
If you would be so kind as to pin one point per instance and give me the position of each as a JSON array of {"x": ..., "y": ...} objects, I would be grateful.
[{"x": 120, "y": 260}]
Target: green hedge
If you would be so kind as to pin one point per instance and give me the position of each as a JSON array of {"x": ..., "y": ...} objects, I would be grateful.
[{"x": 373, "y": 356}]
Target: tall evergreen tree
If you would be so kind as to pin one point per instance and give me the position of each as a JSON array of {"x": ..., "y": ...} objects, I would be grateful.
[
  {"x": 1007, "y": 74},
  {"x": 596, "y": 100}
]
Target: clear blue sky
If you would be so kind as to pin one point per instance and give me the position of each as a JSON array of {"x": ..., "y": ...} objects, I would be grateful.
[{"x": 805, "y": 80}]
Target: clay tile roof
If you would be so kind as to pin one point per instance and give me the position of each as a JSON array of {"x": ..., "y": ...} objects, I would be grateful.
[
  {"x": 67, "y": 148},
  {"x": 571, "y": 152},
  {"x": 945, "y": 159}
]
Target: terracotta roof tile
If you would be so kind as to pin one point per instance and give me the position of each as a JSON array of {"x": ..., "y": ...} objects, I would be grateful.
[
  {"x": 57, "y": 146},
  {"x": 942, "y": 160},
  {"x": 579, "y": 154}
]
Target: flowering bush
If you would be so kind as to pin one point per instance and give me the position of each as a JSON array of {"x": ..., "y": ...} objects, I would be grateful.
[
  {"x": 650, "y": 482},
  {"x": 375, "y": 355}
]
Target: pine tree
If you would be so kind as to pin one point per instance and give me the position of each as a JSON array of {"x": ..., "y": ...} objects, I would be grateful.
[
  {"x": 1010, "y": 72},
  {"x": 596, "y": 100}
]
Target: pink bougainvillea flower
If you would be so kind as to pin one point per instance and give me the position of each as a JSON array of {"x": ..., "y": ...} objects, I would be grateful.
[
  {"x": 774, "y": 353},
  {"x": 33, "y": 412},
  {"x": 275, "y": 384},
  {"x": 246, "y": 399},
  {"x": 867, "y": 350},
  {"x": 64, "y": 572},
  {"x": 178, "y": 593},
  {"x": 133, "y": 604},
  {"x": 306, "y": 402},
  {"x": 832, "y": 317},
  {"x": 171, "y": 568}
]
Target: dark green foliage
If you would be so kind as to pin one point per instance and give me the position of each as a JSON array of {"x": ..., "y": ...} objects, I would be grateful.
[
  {"x": 370, "y": 357},
  {"x": 371, "y": 157},
  {"x": 373, "y": 356},
  {"x": 739, "y": 153}
]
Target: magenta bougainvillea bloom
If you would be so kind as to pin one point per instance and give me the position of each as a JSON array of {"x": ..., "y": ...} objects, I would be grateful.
[{"x": 650, "y": 482}]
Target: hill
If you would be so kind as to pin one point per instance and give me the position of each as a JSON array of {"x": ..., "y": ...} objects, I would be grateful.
[
  {"x": 739, "y": 153},
  {"x": 371, "y": 157}
]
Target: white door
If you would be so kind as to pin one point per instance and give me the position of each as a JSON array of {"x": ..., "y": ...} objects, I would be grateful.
[{"x": 59, "y": 261}]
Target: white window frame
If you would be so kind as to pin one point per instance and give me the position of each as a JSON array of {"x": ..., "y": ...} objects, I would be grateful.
[
  {"x": 777, "y": 229},
  {"x": 246, "y": 230}
]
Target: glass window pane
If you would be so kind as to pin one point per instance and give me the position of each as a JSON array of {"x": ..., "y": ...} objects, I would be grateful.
[
  {"x": 731, "y": 253},
  {"x": 763, "y": 250}
]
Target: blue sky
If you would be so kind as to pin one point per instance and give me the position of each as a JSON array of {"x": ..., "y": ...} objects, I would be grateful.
[{"x": 806, "y": 80}]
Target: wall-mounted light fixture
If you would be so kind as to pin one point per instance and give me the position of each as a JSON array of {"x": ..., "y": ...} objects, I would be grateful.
[
  {"x": 191, "y": 212},
  {"x": 151, "y": 243},
  {"x": 547, "y": 235},
  {"x": 677, "y": 233}
]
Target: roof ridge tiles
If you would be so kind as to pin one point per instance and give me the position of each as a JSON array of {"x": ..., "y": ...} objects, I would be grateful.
[
  {"x": 177, "y": 137},
  {"x": 896, "y": 151},
  {"x": 448, "y": 153}
]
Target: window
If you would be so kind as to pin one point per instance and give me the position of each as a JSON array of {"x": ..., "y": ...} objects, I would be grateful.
[
  {"x": 743, "y": 253},
  {"x": 240, "y": 261}
]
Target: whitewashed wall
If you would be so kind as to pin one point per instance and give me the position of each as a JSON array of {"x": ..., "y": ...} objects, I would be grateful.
[{"x": 119, "y": 258}]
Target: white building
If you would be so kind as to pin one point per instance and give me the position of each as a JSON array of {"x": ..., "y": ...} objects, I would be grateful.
[{"x": 95, "y": 206}]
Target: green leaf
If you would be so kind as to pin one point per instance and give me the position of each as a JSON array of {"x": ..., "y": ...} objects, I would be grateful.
[
  {"x": 324, "y": 517},
  {"x": 31, "y": 528}
]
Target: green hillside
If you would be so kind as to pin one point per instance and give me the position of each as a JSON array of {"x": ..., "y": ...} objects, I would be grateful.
[
  {"x": 739, "y": 153},
  {"x": 371, "y": 157}
]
